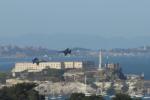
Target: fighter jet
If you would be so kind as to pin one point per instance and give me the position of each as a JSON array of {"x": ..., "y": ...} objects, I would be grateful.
[
  {"x": 37, "y": 61},
  {"x": 66, "y": 51}
]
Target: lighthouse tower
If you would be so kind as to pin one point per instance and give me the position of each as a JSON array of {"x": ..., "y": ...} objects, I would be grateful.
[{"x": 100, "y": 60}]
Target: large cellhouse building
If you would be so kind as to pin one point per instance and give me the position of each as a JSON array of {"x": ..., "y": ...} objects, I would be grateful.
[{"x": 30, "y": 67}]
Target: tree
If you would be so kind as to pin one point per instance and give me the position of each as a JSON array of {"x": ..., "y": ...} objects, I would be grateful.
[
  {"x": 77, "y": 96},
  {"x": 122, "y": 97},
  {"x": 3, "y": 76},
  {"x": 94, "y": 97},
  {"x": 81, "y": 96},
  {"x": 22, "y": 91}
]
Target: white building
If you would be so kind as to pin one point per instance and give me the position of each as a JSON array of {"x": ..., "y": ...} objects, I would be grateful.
[
  {"x": 30, "y": 67},
  {"x": 72, "y": 65}
]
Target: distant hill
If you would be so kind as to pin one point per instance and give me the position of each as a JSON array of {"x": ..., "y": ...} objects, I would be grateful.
[
  {"x": 81, "y": 49},
  {"x": 16, "y": 51},
  {"x": 30, "y": 51}
]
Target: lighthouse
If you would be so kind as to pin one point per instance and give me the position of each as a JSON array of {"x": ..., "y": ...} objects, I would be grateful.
[{"x": 100, "y": 60}]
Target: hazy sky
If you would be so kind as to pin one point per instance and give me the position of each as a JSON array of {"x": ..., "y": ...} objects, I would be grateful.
[{"x": 75, "y": 23}]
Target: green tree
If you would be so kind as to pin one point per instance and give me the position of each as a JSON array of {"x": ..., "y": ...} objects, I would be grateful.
[
  {"x": 22, "y": 91},
  {"x": 3, "y": 76},
  {"x": 94, "y": 97},
  {"x": 81, "y": 96},
  {"x": 77, "y": 96},
  {"x": 122, "y": 97}
]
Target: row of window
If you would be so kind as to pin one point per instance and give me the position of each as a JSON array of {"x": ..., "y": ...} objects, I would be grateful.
[{"x": 29, "y": 66}]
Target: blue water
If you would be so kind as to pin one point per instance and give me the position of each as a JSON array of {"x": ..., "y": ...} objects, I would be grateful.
[
  {"x": 130, "y": 65},
  {"x": 134, "y": 65},
  {"x": 6, "y": 64}
]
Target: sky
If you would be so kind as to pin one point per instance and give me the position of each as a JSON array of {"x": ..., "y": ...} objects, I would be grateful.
[{"x": 75, "y": 23}]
